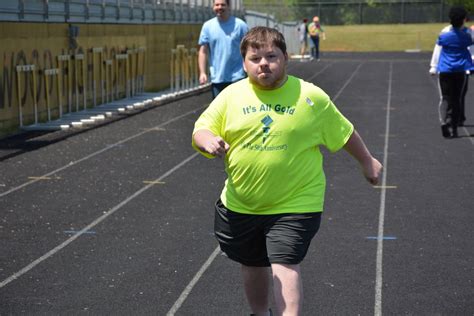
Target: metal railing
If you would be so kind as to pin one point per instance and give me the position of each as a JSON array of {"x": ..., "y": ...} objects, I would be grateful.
[
  {"x": 110, "y": 11},
  {"x": 288, "y": 29}
]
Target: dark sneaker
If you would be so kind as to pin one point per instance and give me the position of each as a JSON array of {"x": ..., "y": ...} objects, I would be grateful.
[
  {"x": 445, "y": 131},
  {"x": 455, "y": 133}
]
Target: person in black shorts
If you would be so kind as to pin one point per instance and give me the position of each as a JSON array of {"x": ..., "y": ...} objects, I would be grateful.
[{"x": 268, "y": 129}]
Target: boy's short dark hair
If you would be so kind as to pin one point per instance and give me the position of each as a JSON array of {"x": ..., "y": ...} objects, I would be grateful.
[
  {"x": 457, "y": 15},
  {"x": 262, "y": 36}
]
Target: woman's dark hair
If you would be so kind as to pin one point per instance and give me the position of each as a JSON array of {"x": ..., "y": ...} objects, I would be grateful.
[
  {"x": 262, "y": 36},
  {"x": 457, "y": 15}
]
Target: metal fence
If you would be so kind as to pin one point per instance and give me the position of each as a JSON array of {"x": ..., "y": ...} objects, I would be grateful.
[
  {"x": 196, "y": 11},
  {"x": 361, "y": 12},
  {"x": 379, "y": 12},
  {"x": 110, "y": 11},
  {"x": 288, "y": 29}
]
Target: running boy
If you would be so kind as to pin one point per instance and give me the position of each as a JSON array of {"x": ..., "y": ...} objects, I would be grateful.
[{"x": 268, "y": 128}]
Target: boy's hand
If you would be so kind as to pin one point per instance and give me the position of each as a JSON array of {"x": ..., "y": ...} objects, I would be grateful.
[
  {"x": 372, "y": 170},
  {"x": 216, "y": 146}
]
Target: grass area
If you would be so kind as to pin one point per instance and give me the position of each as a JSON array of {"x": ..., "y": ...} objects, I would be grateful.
[{"x": 378, "y": 38}]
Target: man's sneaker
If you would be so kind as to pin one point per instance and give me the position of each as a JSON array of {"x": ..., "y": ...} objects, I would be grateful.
[
  {"x": 445, "y": 131},
  {"x": 454, "y": 133}
]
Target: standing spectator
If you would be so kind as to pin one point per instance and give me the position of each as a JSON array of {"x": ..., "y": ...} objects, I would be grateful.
[
  {"x": 434, "y": 71},
  {"x": 454, "y": 62},
  {"x": 315, "y": 32},
  {"x": 219, "y": 43},
  {"x": 303, "y": 37},
  {"x": 269, "y": 128}
]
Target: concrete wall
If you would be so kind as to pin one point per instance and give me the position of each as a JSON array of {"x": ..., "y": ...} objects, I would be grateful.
[{"x": 40, "y": 44}]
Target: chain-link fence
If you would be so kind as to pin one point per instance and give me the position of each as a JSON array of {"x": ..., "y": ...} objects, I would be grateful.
[
  {"x": 361, "y": 12},
  {"x": 192, "y": 11}
]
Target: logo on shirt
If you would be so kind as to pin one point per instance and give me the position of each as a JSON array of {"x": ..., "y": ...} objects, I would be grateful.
[{"x": 266, "y": 121}]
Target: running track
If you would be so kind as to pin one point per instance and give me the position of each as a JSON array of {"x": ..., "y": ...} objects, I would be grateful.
[{"x": 117, "y": 220}]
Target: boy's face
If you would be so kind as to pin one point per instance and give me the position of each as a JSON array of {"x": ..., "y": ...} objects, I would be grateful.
[
  {"x": 266, "y": 66},
  {"x": 221, "y": 9}
]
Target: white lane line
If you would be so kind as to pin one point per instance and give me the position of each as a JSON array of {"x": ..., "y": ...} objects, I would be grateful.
[
  {"x": 466, "y": 131},
  {"x": 72, "y": 163},
  {"x": 347, "y": 82},
  {"x": 193, "y": 282},
  {"x": 211, "y": 258},
  {"x": 319, "y": 72},
  {"x": 379, "y": 256},
  {"x": 89, "y": 227}
]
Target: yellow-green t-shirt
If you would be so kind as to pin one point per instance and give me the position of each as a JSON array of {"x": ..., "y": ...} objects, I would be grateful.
[{"x": 274, "y": 164}]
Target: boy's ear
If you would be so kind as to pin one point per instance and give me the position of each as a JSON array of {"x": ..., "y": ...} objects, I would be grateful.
[{"x": 245, "y": 68}]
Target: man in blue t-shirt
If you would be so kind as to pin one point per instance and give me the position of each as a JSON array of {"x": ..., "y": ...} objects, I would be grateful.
[{"x": 220, "y": 44}]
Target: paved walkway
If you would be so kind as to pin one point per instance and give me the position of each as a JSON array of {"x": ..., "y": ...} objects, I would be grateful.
[{"x": 117, "y": 219}]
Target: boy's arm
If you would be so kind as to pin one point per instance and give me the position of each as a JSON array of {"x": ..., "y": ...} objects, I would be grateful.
[
  {"x": 371, "y": 167},
  {"x": 209, "y": 143}
]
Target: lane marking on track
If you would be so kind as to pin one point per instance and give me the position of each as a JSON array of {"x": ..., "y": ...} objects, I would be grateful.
[
  {"x": 108, "y": 147},
  {"x": 44, "y": 178},
  {"x": 154, "y": 182},
  {"x": 379, "y": 254},
  {"x": 193, "y": 282},
  {"x": 347, "y": 82},
  {"x": 384, "y": 237},
  {"x": 211, "y": 258},
  {"x": 73, "y": 232},
  {"x": 385, "y": 186},
  {"x": 89, "y": 227},
  {"x": 319, "y": 72}
]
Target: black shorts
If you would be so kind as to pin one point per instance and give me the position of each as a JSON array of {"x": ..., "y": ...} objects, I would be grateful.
[{"x": 260, "y": 240}]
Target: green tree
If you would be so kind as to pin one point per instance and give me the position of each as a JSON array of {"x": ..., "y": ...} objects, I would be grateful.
[{"x": 468, "y": 4}]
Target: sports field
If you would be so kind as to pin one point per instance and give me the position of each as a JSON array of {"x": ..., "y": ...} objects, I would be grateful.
[{"x": 381, "y": 38}]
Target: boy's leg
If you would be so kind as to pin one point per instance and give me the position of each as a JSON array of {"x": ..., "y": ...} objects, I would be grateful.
[
  {"x": 287, "y": 288},
  {"x": 257, "y": 288},
  {"x": 242, "y": 239},
  {"x": 288, "y": 240}
]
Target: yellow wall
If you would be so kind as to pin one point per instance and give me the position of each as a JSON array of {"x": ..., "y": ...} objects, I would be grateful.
[{"x": 41, "y": 43}]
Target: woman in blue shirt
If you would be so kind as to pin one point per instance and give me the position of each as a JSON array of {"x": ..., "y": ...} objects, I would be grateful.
[{"x": 454, "y": 61}]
